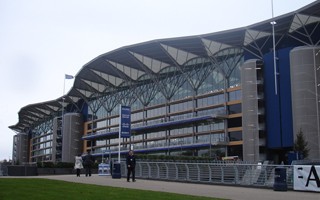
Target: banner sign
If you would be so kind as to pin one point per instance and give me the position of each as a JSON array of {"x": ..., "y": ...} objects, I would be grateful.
[
  {"x": 125, "y": 121},
  {"x": 306, "y": 177}
]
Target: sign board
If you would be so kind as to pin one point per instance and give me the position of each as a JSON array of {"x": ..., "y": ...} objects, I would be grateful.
[
  {"x": 125, "y": 122},
  {"x": 104, "y": 169},
  {"x": 306, "y": 177}
]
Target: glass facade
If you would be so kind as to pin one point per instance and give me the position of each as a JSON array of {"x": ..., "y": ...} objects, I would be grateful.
[
  {"x": 201, "y": 89},
  {"x": 42, "y": 142}
]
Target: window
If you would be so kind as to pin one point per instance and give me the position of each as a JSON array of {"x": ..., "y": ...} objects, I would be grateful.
[
  {"x": 156, "y": 112},
  {"x": 236, "y": 108},
  {"x": 234, "y": 122},
  {"x": 235, "y": 95},
  {"x": 235, "y": 136}
]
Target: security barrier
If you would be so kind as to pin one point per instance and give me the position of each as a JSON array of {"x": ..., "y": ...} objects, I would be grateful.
[
  {"x": 233, "y": 173},
  {"x": 104, "y": 169}
]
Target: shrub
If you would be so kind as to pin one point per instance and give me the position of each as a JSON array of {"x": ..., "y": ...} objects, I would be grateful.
[
  {"x": 64, "y": 165},
  {"x": 48, "y": 165}
]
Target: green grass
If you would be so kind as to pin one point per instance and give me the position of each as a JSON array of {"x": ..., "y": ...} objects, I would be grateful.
[{"x": 22, "y": 188}]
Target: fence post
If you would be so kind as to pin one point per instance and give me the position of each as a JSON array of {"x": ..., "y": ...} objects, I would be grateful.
[
  {"x": 158, "y": 171},
  {"x": 236, "y": 173},
  {"x": 198, "y": 172},
  {"x": 149, "y": 170},
  {"x": 210, "y": 173},
  {"x": 177, "y": 171},
  {"x": 187, "y": 171},
  {"x": 167, "y": 171},
  {"x": 222, "y": 174}
]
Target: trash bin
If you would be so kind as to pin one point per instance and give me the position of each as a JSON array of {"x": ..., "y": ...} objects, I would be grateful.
[
  {"x": 116, "y": 170},
  {"x": 280, "y": 179},
  {"x": 104, "y": 169}
]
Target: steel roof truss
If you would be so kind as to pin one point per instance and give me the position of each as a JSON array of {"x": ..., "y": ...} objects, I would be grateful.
[
  {"x": 114, "y": 81},
  {"x": 53, "y": 108},
  {"x": 96, "y": 104},
  {"x": 146, "y": 92},
  {"x": 131, "y": 73},
  {"x": 95, "y": 87},
  {"x": 179, "y": 56},
  {"x": 85, "y": 93},
  {"x": 177, "y": 65},
  {"x": 151, "y": 63},
  {"x": 110, "y": 101},
  {"x": 212, "y": 47},
  {"x": 300, "y": 20},
  {"x": 128, "y": 97}
]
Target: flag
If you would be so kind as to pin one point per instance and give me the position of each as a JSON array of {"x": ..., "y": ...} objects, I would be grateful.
[{"x": 68, "y": 76}]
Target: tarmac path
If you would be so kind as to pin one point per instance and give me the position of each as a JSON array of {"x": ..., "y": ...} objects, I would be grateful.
[{"x": 218, "y": 191}]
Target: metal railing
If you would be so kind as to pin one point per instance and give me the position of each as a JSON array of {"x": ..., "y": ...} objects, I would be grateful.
[
  {"x": 1, "y": 173},
  {"x": 232, "y": 173},
  {"x": 161, "y": 121}
]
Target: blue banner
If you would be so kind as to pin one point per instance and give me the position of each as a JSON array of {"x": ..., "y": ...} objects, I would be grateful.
[{"x": 125, "y": 121}]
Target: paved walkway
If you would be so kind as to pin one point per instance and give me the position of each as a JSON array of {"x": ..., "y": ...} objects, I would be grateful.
[{"x": 218, "y": 191}]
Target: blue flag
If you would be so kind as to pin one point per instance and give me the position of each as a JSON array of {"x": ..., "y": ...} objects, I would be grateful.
[{"x": 68, "y": 76}]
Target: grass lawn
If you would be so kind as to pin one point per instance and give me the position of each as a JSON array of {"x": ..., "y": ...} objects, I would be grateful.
[{"x": 33, "y": 189}]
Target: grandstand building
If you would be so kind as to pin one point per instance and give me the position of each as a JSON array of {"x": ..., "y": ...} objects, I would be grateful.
[{"x": 220, "y": 94}]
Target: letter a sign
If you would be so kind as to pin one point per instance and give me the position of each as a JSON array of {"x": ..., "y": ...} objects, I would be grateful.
[{"x": 306, "y": 177}]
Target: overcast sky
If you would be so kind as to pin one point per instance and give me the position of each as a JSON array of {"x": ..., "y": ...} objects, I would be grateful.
[{"x": 41, "y": 40}]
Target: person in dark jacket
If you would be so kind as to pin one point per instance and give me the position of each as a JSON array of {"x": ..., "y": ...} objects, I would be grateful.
[
  {"x": 88, "y": 163},
  {"x": 131, "y": 164}
]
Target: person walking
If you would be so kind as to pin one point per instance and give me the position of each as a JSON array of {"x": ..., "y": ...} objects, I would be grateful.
[
  {"x": 78, "y": 164},
  {"x": 88, "y": 162},
  {"x": 131, "y": 164}
]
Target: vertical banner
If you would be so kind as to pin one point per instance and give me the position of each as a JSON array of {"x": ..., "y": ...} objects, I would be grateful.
[
  {"x": 306, "y": 177},
  {"x": 125, "y": 121}
]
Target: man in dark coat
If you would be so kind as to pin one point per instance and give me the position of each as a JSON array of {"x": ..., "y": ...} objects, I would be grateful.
[
  {"x": 88, "y": 163},
  {"x": 131, "y": 164}
]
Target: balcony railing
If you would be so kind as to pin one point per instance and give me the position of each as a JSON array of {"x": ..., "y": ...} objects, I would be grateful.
[{"x": 157, "y": 124}]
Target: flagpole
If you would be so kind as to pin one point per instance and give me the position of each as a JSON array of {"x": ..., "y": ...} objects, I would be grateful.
[
  {"x": 119, "y": 134},
  {"x": 274, "y": 53},
  {"x": 64, "y": 85},
  {"x": 62, "y": 112},
  {"x": 64, "y": 88}
]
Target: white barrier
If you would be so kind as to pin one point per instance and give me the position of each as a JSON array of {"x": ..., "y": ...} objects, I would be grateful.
[
  {"x": 306, "y": 177},
  {"x": 104, "y": 169}
]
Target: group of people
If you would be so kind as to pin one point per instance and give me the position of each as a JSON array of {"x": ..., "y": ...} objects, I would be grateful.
[{"x": 87, "y": 162}]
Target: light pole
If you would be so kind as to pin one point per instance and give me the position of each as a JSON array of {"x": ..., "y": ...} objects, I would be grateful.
[
  {"x": 273, "y": 23},
  {"x": 66, "y": 76},
  {"x": 316, "y": 68}
]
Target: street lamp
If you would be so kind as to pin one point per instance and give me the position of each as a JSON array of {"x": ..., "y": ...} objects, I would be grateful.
[
  {"x": 273, "y": 23},
  {"x": 66, "y": 76}
]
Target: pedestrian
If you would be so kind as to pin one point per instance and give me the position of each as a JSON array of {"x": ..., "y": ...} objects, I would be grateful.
[
  {"x": 87, "y": 163},
  {"x": 131, "y": 164},
  {"x": 78, "y": 164}
]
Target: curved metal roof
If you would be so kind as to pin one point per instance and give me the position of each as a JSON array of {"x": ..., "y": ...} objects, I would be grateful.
[{"x": 125, "y": 66}]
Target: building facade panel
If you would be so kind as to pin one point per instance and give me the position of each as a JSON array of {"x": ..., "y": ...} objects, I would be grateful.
[
  {"x": 250, "y": 72},
  {"x": 305, "y": 98}
]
